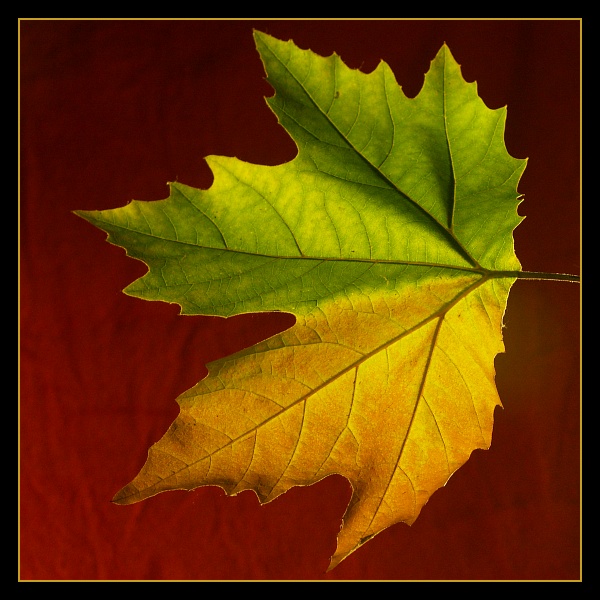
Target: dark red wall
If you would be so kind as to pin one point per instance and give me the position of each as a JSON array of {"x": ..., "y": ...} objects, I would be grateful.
[{"x": 113, "y": 110}]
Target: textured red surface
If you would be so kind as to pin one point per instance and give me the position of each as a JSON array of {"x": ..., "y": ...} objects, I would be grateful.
[{"x": 113, "y": 110}]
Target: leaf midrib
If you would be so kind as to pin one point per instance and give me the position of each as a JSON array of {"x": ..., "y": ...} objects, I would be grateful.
[{"x": 473, "y": 269}]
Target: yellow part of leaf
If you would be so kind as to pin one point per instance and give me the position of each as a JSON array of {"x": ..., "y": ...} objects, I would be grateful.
[{"x": 396, "y": 410}]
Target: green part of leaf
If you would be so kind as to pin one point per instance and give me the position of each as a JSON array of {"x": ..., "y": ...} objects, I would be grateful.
[{"x": 381, "y": 183}]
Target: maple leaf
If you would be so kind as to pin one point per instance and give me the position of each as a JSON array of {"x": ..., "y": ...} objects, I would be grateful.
[{"x": 389, "y": 237}]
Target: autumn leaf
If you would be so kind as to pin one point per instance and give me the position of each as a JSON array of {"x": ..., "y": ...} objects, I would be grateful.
[{"x": 389, "y": 237}]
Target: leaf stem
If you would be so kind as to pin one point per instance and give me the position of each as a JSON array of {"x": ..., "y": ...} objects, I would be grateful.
[{"x": 534, "y": 275}]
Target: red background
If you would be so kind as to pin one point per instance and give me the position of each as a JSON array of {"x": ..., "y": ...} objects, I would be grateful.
[{"x": 113, "y": 110}]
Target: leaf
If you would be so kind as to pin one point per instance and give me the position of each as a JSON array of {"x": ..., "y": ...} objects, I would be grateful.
[{"x": 389, "y": 237}]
